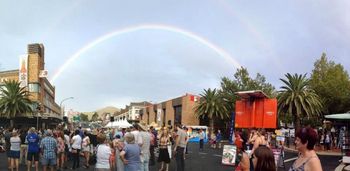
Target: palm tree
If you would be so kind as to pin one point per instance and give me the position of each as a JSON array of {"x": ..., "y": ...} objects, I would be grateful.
[
  {"x": 14, "y": 100},
  {"x": 211, "y": 105},
  {"x": 296, "y": 99}
]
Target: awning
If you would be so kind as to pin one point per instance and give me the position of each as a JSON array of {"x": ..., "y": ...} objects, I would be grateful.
[
  {"x": 340, "y": 116},
  {"x": 253, "y": 93}
]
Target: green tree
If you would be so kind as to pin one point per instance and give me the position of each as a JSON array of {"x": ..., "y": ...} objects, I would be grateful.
[
  {"x": 14, "y": 100},
  {"x": 84, "y": 117},
  {"x": 297, "y": 100},
  {"x": 331, "y": 82},
  {"x": 243, "y": 82},
  {"x": 211, "y": 105},
  {"x": 94, "y": 117}
]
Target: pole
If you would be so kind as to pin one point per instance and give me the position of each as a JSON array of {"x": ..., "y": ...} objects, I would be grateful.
[{"x": 63, "y": 101}]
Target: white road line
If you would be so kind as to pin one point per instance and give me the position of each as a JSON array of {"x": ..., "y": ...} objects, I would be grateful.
[
  {"x": 291, "y": 159},
  {"x": 216, "y": 155},
  {"x": 202, "y": 153}
]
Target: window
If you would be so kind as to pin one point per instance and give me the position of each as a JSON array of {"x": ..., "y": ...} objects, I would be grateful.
[
  {"x": 178, "y": 114},
  {"x": 34, "y": 87}
]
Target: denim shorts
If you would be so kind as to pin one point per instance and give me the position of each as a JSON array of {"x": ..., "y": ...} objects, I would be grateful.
[
  {"x": 15, "y": 154},
  {"x": 48, "y": 162}
]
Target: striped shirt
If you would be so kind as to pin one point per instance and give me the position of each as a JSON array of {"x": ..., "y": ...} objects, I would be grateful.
[{"x": 49, "y": 146}]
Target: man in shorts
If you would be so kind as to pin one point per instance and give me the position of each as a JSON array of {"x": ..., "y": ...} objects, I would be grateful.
[
  {"x": 33, "y": 149},
  {"x": 48, "y": 147}
]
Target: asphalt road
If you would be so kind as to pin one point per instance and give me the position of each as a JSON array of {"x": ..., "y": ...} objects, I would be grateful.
[{"x": 207, "y": 160}]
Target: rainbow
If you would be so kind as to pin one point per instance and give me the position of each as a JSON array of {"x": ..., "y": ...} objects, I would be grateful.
[{"x": 168, "y": 28}]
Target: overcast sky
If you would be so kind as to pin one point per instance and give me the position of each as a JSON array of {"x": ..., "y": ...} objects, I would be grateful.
[{"x": 129, "y": 51}]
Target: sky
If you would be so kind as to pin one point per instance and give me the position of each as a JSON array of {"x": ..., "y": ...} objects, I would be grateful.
[{"x": 113, "y": 52}]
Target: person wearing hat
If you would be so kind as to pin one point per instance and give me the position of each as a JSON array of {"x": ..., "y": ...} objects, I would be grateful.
[
  {"x": 48, "y": 148},
  {"x": 145, "y": 146},
  {"x": 33, "y": 149}
]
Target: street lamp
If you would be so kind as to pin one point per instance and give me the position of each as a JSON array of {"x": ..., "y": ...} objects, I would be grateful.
[{"x": 68, "y": 98}]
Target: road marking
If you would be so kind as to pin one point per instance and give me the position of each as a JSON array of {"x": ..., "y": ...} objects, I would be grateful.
[
  {"x": 202, "y": 153},
  {"x": 216, "y": 155},
  {"x": 291, "y": 159}
]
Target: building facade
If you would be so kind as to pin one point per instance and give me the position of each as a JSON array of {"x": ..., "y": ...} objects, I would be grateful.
[
  {"x": 178, "y": 110},
  {"x": 33, "y": 76}
]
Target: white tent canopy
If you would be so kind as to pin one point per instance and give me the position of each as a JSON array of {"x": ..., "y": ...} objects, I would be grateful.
[{"x": 118, "y": 124}]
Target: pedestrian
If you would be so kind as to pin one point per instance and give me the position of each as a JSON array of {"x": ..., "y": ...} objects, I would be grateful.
[
  {"x": 33, "y": 149},
  {"x": 145, "y": 147},
  {"x": 218, "y": 138},
  {"x": 242, "y": 158},
  {"x": 48, "y": 148},
  {"x": 15, "y": 148},
  {"x": 164, "y": 157},
  {"x": 153, "y": 144},
  {"x": 86, "y": 148},
  {"x": 263, "y": 160},
  {"x": 118, "y": 144},
  {"x": 7, "y": 136},
  {"x": 307, "y": 159},
  {"x": 259, "y": 140},
  {"x": 24, "y": 146},
  {"x": 60, "y": 149},
  {"x": 130, "y": 154},
  {"x": 67, "y": 147},
  {"x": 327, "y": 141},
  {"x": 76, "y": 147},
  {"x": 180, "y": 145},
  {"x": 201, "y": 139},
  {"x": 103, "y": 153}
]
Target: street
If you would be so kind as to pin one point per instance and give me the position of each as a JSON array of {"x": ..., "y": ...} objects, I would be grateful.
[{"x": 209, "y": 160}]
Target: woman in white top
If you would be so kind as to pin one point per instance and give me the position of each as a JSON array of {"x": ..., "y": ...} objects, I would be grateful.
[
  {"x": 15, "y": 150},
  {"x": 103, "y": 153},
  {"x": 86, "y": 149}
]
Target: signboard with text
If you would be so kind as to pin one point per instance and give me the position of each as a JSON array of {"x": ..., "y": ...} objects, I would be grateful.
[{"x": 23, "y": 70}]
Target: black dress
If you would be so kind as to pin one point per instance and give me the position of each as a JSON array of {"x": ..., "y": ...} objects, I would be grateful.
[{"x": 163, "y": 151}]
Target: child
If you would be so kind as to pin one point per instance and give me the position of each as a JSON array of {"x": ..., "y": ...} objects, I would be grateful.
[{"x": 112, "y": 156}]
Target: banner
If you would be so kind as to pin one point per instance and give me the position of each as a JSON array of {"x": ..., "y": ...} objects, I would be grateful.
[
  {"x": 229, "y": 155},
  {"x": 159, "y": 113},
  {"x": 232, "y": 122},
  {"x": 23, "y": 71}
]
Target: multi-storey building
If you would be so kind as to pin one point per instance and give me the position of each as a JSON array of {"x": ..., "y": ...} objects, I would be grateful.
[
  {"x": 179, "y": 110},
  {"x": 32, "y": 75},
  {"x": 131, "y": 112}
]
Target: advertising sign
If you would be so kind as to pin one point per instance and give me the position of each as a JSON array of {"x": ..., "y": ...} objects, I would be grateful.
[
  {"x": 229, "y": 155},
  {"x": 23, "y": 70},
  {"x": 43, "y": 73}
]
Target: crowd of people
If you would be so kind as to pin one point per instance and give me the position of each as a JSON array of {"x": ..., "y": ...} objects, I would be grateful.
[
  {"x": 129, "y": 149},
  {"x": 255, "y": 152}
]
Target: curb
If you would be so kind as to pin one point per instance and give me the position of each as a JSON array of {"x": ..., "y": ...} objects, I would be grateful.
[{"x": 317, "y": 152}]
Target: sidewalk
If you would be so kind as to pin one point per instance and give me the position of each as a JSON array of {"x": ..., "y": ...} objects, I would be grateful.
[{"x": 319, "y": 151}]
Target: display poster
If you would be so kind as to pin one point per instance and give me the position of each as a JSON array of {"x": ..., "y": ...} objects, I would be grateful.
[
  {"x": 229, "y": 155},
  {"x": 159, "y": 113},
  {"x": 23, "y": 70}
]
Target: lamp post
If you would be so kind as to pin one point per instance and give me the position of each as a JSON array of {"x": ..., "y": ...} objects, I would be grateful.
[{"x": 68, "y": 98}]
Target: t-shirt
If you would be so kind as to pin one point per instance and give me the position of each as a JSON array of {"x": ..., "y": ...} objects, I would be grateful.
[
  {"x": 33, "y": 143},
  {"x": 102, "y": 156},
  {"x": 146, "y": 142},
  {"x": 132, "y": 153},
  {"x": 76, "y": 142},
  {"x": 15, "y": 143},
  {"x": 138, "y": 138},
  {"x": 182, "y": 135}
]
